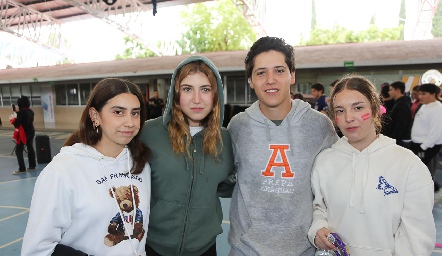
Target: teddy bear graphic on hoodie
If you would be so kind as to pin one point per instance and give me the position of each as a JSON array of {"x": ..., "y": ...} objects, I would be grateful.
[{"x": 116, "y": 228}]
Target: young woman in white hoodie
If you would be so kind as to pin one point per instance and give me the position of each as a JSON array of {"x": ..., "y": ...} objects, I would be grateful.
[
  {"x": 377, "y": 196},
  {"x": 93, "y": 198}
]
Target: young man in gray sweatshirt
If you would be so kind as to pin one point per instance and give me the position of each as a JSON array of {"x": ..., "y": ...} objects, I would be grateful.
[{"x": 275, "y": 142}]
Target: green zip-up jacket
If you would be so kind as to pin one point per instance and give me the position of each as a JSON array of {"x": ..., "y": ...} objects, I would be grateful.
[{"x": 186, "y": 213}]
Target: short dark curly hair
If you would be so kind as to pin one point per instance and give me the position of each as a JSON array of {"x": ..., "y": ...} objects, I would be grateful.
[{"x": 265, "y": 44}]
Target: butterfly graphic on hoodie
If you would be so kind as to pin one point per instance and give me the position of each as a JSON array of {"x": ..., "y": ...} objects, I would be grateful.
[{"x": 385, "y": 186}]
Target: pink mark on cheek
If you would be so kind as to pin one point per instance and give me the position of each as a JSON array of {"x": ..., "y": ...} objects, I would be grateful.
[
  {"x": 337, "y": 120},
  {"x": 365, "y": 117}
]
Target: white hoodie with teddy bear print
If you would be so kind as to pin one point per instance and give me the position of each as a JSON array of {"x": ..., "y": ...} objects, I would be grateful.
[{"x": 78, "y": 200}]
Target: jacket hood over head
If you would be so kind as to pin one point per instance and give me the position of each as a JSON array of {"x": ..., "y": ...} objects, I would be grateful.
[{"x": 168, "y": 111}]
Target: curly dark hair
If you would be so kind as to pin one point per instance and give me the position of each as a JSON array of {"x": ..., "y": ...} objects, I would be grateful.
[{"x": 265, "y": 44}]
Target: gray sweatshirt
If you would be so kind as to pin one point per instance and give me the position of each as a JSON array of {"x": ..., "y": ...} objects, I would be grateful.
[{"x": 271, "y": 208}]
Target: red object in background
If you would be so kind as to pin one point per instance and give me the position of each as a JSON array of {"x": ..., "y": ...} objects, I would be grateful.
[{"x": 19, "y": 135}]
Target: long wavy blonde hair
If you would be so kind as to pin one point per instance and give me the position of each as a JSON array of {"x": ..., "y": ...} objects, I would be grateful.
[{"x": 179, "y": 132}]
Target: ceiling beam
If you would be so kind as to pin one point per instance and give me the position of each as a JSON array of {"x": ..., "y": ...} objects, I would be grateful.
[
  {"x": 25, "y": 22},
  {"x": 119, "y": 15},
  {"x": 253, "y": 11}
]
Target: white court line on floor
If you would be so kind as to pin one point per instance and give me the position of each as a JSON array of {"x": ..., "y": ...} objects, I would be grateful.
[
  {"x": 26, "y": 210},
  {"x": 13, "y": 242},
  {"x": 2, "y": 182}
]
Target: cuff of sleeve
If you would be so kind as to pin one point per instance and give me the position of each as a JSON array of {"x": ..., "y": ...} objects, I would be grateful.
[
  {"x": 423, "y": 147},
  {"x": 314, "y": 228}
]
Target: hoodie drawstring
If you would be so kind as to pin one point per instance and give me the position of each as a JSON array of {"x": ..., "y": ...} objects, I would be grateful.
[
  {"x": 353, "y": 185},
  {"x": 116, "y": 202},
  {"x": 267, "y": 129},
  {"x": 364, "y": 181},
  {"x": 289, "y": 129}
]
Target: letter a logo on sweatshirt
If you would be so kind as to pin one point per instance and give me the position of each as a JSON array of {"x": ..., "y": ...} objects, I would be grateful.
[{"x": 281, "y": 151}]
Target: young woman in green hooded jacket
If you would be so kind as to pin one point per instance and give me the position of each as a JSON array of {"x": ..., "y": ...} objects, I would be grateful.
[{"x": 192, "y": 163}]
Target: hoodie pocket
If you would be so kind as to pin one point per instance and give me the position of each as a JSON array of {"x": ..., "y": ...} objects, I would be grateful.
[
  {"x": 203, "y": 227},
  {"x": 165, "y": 223},
  {"x": 267, "y": 240}
]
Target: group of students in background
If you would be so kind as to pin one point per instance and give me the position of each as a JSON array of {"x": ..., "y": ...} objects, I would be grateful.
[
  {"x": 122, "y": 186},
  {"x": 422, "y": 135}
]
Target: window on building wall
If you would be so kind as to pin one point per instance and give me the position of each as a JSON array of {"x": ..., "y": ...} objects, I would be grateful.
[
  {"x": 231, "y": 94},
  {"x": 85, "y": 91},
  {"x": 15, "y": 94},
  {"x": 60, "y": 95},
  {"x": 304, "y": 88},
  {"x": 10, "y": 94},
  {"x": 73, "y": 94},
  {"x": 36, "y": 95},
  {"x": 6, "y": 96},
  {"x": 26, "y": 91},
  {"x": 238, "y": 90},
  {"x": 252, "y": 94}
]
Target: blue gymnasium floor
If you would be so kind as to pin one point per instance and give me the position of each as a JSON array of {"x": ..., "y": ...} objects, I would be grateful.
[{"x": 16, "y": 192}]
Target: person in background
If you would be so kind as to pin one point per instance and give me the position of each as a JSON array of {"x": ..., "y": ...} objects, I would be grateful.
[
  {"x": 155, "y": 106},
  {"x": 298, "y": 96},
  {"x": 332, "y": 85},
  {"x": 292, "y": 95},
  {"x": 275, "y": 142},
  {"x": 192, "y": 163},
  {"x": 388, "y": 102},
  {"x": 399, "y": 127},
  {"x": 93, "y": 198},
  {"x": 416, "y": 102},
  {"x": 25, "y": 118},
  {"x": 426, "y": 133},
  {"x": 376, "y": 195},
  {"x": 317, "y": 91}
]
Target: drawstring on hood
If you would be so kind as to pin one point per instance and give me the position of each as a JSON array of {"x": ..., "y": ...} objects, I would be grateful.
[
  {"x": 292, "y": 116},
  {"x": 343, "y": 146},
  {"x": 91, "y": 152},
  {"x": 289, "y": 127},
  {"x": 267, "y": 130},
  {"x": 364, "y": 180},
  {"x": 125, "y": 152}
]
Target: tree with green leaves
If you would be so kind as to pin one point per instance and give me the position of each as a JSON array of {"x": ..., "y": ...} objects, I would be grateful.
[
  {"x": 215, "y": 26},
  {"x": 134, "y": 50},
  {"x": 339, "y": 34},
  {"x": 437, "y": 22}
]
